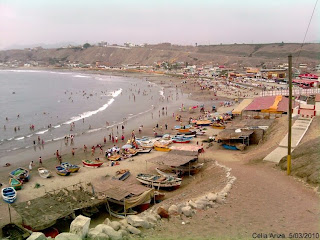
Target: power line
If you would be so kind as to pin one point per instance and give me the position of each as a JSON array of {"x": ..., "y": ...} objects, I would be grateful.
[{"x": 305, "y": 35}]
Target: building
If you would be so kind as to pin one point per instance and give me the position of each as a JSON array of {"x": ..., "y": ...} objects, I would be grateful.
[
  {"x": 317, "y": 104},
  {"x": 279, "y": 73}
]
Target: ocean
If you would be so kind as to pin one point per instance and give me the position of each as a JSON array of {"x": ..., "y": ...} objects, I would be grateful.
[{"x": 67, "y": 103}]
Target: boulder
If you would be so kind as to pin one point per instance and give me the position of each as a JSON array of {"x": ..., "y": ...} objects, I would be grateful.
[
  {"x": 68, "y": 236},
  {"x": 115, "y": 225},
  {"x": 94, "y": 234},
  {"x": 220, "y": 199},
  {"x": 123, "y": 233},
  {"x": 133, "y": 230},
  {"x": 80, "y": 226},
  {"x": 124, "y": 222},
  {"x": 212, "y": 197},
  {"x": 173, "y": 210},
  {"x": 137, "y": 221},
  {"x": 180, "y": 206},
  {"x": 150, "y": 218},
  {"x": 192, "y": 204},
  {"x": 187, "y": 211},
  {"x": 37, "y": 236},
  {"x": 227, "y": 188},
  {"x": 107, "y": 221},
  {"x": 163, "y": 213},
  {"x": 113, "y": 235}
]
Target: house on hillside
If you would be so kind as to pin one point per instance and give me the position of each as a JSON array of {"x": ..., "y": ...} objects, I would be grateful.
[
  {"x": 279, "y": 74},
  {"x": 317, "y": 104}
]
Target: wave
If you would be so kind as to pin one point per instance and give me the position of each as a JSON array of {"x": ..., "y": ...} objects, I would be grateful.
[
  {"x": 20, "y": 138},
  {"x": 30, "y": 135},
  {"x": 81, "y": 76},
  {"x": 42, "y": 132},
  {"x": 57, "y": 126},
  {"x": 22, "y": 71},
  {"x": 94, "y": 130},
  {"x": 90, "y": 113}
]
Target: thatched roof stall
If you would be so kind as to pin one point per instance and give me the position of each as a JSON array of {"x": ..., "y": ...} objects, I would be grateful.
[
  {"x": 173, "y": 159},
  {"x": 43, "y": 212},
  {"x": 123, "y": 193},
  {"x": 235, "y": 136}
]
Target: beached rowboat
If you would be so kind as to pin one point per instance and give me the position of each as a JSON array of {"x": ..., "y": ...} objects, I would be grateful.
[
  {"x": 162, "y": 149},
  {"x": 62, "y": 171},
  {"x": 21, "y": 174},
  {"x": 121, "y": 175},
  {"x": 114, "y": 158},
  {"x": 158, "y": 181},
  {"x": 218, "y": 126},
  {"x": 15, "y": 183},
  {"x": 71, "y": 167},
  {"x": 144, "y": 150},
  {"x": 9, "y": 195},
  {"x": 44, "y": 173},
  {"x": 166, "y": 172},
  {"x": 184, "y": 169},
  {"x": 89, "y": 163},
  {"x": 14, "y": 231}
]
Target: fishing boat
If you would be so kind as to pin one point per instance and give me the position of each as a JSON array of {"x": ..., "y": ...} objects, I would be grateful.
[
  {"x": 203, "y": 122},
  {"x": 117, "y": 211},
  {"x": 158, "y": 181},
  {"x": 166, "y": 172},
  {"x": 9, "y": 194},
  {"x": 148, "y": 150},
  {"x": 181, "y": 139},
  {"x": 182, "y": 130},
  {"x": 161, "y": 147},
  {"x": 62, "y": 171},
  {"x": 89, "y": 163},
  {"x": 15, "y": 183},
  {"x": 114, "y": 157},
  {"x": 15, "y": 232},
  {"x": 21, "y": 174},
  {"x": 71, "y": 167},
  {"x": 44, "y": 173},
  {"x": 229, "y": 147},
  {"x": 218, "y": 126},
  {"x": 184, "y": 169},
  {"x": 122, "y": 174}
]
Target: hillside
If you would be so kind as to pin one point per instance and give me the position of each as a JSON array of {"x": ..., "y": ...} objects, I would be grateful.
[{"x": 244, "y": 54}]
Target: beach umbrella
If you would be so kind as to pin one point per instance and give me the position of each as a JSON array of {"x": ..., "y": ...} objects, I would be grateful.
[{"x": 126, "y": 146}]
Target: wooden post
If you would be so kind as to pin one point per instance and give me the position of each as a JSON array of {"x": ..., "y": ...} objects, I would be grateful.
[
  {"x": 9, "y": 212},
  {"x": 289, "y": 116}
]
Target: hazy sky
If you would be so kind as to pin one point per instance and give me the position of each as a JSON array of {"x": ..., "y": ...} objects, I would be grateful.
[{"x": 153, "y": 21}]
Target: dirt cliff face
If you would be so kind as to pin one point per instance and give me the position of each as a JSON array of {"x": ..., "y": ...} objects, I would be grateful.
[{"x": 244, "y": 54}]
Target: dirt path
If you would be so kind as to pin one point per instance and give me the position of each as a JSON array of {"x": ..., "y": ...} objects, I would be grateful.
[{"x": 262, "y": 200}]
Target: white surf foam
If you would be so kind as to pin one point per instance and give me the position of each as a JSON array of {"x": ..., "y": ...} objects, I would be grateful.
[
  {"x": 20, "y": 138},
  {"x": 42, "y": 132},
  {"x": 81, "y": 76}
]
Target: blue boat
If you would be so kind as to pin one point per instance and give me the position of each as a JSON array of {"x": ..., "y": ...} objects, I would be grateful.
[
  {"x": 62, "y": 171},
  {"x": 178, "y": 137},
  {"x": 9, "y": 195},
  {"x": 229, "y": 147},
  {"x": 21, "y": 174}
]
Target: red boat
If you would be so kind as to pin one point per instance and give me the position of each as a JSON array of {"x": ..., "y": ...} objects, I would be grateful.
[
  {"x": 89, "y": 163},
  {"x": 181, "y": 141}
]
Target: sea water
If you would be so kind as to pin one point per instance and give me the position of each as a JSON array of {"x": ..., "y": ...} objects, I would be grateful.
[{"x": 63, "y": 103}]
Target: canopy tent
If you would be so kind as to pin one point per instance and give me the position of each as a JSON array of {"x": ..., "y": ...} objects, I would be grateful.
[
  {"x": 228, "y": 134},
  {"x": 269, "y": 104},
  {"x": 242, "y": 105},
  {"x": 173, "y": 159}
]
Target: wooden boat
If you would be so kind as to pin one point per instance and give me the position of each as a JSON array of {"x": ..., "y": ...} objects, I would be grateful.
[
  {"x": 159, "y": 196},
  {"x": 114, "y": 158},
  {"x": 15, "y": 183},
  {"x": 158, "y": 181},
  {"x": 71, "y": 167},
  {"x": 229, "y": 147},
  {"x": 117, "y": 211},
  {"x": 182, "y": 130},
  {"x": 203, "y": 122},
  {"x": 21, "y": 174},
  {"x": 89, "y": 163},
  {"x": 162, "y": 149},
  {"x": 131, "y": 151},
  {"x": 218, "y": 126},
  {"x": 181, "y": 141},
  {"x": 148, "y": 150},
  {"x": 15, "y": 232},
  {"x": 62, "y": 171},
  {"x": 166, "y": 172},
  {"x": 122, "y": 174},
  {"x": 9, "y": 194},
  {"x": 44, "y": 173}
]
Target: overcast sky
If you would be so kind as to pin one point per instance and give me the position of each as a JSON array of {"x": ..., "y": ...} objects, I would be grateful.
[{"x": 153, "y": 21}]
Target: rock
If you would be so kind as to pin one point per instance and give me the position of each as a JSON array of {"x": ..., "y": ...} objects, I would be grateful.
[
  {"x": 137, "y": 221},
  {"x": 180, "y": 206},
  {"x": 113, "y": 235},
  {"x": 80, "y": 226},
  {"x": 133, "y": 230},
  {"x": 200, "y": 204},
  {"x": 107, "y": 221},
  {"x": 192, "y": 204},
  {"x": 150, "y": 218},
  {"x": 187, "y": 211},
  {"x": 173, "y": 210},
  {"x": 124, "y": 222},
  {"x": 227, "y": 188},
  {"x": 94, "y": 234},
  {"x": 115, "y": 225},
  {"x": 68, "y": 236},
  {"x": 123, "y": 233},
  {"x": 212, "y": 197},
  {"x": 37, "y": 236},
  {"x": 220, "y": 199},
  {"x": 163, "y": 213}
]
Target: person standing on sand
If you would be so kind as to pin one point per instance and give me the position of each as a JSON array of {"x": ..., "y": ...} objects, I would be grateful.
[
  {"x": 166, "y": 125},
  {"x": 105, "y": 140},
  {"x": 72, "y": 151},
  {"x": 85, "y": 148},
  {"x": 92, "y": 150},
  {"x": 116, "y": 139},
  {"x": 40, "y": 161},
  {"x": 57, "y": 154},
  {"x": 30, "y": 166},
  {"x": 122, "y": 138}
]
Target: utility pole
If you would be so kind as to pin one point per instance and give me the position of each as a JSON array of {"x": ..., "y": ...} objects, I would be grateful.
[{"x": 289, "y": 115}]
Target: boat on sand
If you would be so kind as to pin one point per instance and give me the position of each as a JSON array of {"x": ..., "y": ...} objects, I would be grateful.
[
  {"x": 9, "y": 194},
  {"x": 44, "y": 173},
  {"x": 15, "y": 183},
  {"x": 89, "y": 163},
  {"x": 62, "y": 171},
  {"x": 71, "y": 167},
  {"x": 158, "y": 181}
]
